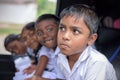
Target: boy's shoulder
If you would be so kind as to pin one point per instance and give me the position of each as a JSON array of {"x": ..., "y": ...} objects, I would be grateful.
[
  {"x": 43, "y": 51},
  {"x": 96, "y": 56}
]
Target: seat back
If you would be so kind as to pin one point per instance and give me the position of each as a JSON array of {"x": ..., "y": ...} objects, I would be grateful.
[
  {"x": 7, "y": 67},
  {"x": 107, "y": 43}
]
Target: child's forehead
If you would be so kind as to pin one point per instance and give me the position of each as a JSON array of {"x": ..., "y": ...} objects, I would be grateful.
[
  {"x": 14, "y": 42},
  {"x": 26, "y": 33},
  {"x": 25, "y": 30},
  {"x": 46, "y": 24}
]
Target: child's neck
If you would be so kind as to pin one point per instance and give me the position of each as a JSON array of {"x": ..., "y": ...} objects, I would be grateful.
[
  {"x": 72, "y": 60},
  {"x": 54, "y": 48}
]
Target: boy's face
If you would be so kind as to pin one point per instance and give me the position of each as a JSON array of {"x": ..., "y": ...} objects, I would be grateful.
[
  {"x": 47, "y": 33},
  {"x": 16, "y": 47},
  {"x": 73, "y": 36},
  {"x": 29, "y": 37}
]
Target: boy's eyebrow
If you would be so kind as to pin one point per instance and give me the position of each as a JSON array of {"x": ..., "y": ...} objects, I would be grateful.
[
  {"x": 50, "y": 25},
  {"x": 76, "y": 27},
  {"x": 61, "y": 24}
]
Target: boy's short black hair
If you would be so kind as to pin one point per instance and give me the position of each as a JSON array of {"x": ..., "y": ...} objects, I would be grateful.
[
  {"x": 81, "y": 10},
  {"x": 48, "y": 17},
  {"x": 30, "y": 26},
  {"x": 10, "y": 38}
]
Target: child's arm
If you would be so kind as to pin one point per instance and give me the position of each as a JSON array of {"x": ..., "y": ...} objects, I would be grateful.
[
  {"x": 41, "y": 65},
  {"x": 40, "y": 78},
  {"x": 30, "y": 69}
]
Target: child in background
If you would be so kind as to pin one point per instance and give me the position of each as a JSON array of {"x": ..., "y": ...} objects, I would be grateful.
[
  {"x": 12, "y": 44},
  {"x": 21, "y": 59},
  {"x": 29, "y": 37},
  {"x": 77, "y": 32},
  {"x": 47, "y": 29}
]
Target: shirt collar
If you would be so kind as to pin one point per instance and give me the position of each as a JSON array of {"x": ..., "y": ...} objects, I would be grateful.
[
  {"x": 84, "y": 55},
  {"x": 57, "y": 51}
]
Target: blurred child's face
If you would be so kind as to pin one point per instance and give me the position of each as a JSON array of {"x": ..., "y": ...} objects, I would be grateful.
[
  {"x": 29, "y": 37},
  {"x": 16, "y": 47},
  {"x": 47, "y": 33},
  {"x": 73, "y": 36}
]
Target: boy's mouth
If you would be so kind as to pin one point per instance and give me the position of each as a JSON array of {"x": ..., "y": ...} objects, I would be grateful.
[
  {"x": 48, "y": 41},
  {"x": 64, "y": 46}
]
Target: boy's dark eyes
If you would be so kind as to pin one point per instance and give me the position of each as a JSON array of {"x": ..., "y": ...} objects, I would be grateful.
[
  {"x": 23, "y": 39},
  {"x": 61, "y": 28},
  {"x": 31, "y": 33},
  {"x": 39, "y": 33},
  {"x": 50, "y": 29},
  {"x": 13, "y": 48},
  {"x": 76, "y": 31}
]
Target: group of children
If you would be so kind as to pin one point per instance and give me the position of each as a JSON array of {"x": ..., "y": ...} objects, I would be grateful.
[{"x": 61, "y": 49}]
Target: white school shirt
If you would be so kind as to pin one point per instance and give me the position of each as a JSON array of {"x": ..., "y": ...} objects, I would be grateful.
[
  {"x": 52, "y": 63},
  {"x": 22, "y": 63},
  {"x": 91, "y": 65},
  {"x": 50, "y": 54}
]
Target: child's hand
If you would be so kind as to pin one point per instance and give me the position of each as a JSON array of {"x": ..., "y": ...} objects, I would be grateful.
[
  {"x": 30, "y": 69},
  {"x": 29, "y": 79}
]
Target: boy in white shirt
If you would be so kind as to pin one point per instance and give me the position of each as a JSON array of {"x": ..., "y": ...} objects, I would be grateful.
[
  {"x": 77, "y": 32},
  {"x": 19, "y": 52},
  {"x": 47, "y": 29}
]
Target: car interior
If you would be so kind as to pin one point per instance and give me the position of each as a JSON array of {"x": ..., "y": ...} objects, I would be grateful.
[{"x": 108, "y": 41}]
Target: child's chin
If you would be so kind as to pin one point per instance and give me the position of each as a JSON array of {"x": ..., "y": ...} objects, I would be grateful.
[{"x": 50, "y": 46}]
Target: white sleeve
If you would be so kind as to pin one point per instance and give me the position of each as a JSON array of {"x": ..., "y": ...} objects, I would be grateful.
[
  {"x": 44, "y": 51},
  {"x": 99, "y": 71}
]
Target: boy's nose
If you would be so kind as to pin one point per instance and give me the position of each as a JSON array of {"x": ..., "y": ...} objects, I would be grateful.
[
  {"x": 26, "y": 43},
  {"x": 44, "y": 35},
  {"x": 66, "y": 36}
]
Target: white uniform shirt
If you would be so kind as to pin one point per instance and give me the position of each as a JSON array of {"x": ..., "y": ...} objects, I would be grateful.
[
  {"x": 52, "y": 63},
  {"x": 50, "y": 54},
  {"x": 91, "y": 65}
]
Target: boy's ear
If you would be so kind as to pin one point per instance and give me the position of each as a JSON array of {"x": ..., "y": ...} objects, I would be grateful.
[{"x": 92, "y": 38}]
